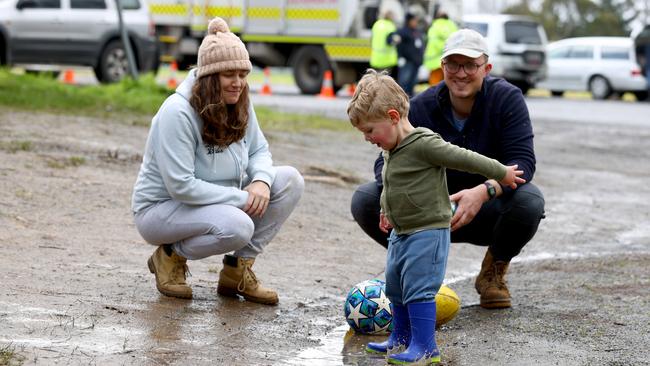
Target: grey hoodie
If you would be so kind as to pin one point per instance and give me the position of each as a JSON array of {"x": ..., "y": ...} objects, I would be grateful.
[{"x": 178, "y": 165}]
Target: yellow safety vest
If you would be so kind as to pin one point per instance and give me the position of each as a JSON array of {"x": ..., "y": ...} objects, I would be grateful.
[
  {"x": 383, "y": 55},
  {"x": 437, "y": 35}
]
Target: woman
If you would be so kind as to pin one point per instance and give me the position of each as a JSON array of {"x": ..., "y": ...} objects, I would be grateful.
[{"x": 207, "y": 184}]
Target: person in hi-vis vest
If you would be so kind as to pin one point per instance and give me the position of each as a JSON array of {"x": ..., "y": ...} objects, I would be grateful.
[
  {"x": 441, "y": 28},
  {"x": 383, "y": 54}
]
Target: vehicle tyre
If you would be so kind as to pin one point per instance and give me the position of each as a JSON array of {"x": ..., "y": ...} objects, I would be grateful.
[
  {"x": 599, "y": 88},
  {"x": 309, "y": 64},
  {"x": 113, "y": 63},
  {"x": 641, "y": 95},
  {"x": 557, "y": 93}
]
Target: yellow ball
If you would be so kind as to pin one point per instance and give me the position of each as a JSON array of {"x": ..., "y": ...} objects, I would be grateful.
[{"x": 447, "y": 305}]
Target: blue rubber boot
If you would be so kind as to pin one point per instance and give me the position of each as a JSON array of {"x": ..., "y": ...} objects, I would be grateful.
[
  {"x": 401, "y": 334},
  {"x": 423, "y": 348}
]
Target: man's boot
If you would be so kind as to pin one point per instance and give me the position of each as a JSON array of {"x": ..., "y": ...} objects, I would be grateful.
[
  {"x": 170, "y": 269},
  {"x": 237, "y": 278},
  {"x": 491, "y": 283}
]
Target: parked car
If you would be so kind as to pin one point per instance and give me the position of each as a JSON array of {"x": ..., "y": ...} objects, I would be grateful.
[
  {"x": 602, "y": 65},
  {"x": 77, "y": 32},
  {"x": 517, "y": 46}
]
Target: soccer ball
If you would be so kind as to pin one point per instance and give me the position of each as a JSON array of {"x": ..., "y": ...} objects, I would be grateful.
[{"x": 367, "y": 309}]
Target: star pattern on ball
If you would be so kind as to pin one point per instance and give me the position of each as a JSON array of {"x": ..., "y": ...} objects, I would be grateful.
[
  {"x": 355, "y": 314},
  {"x": 382, "y": 302}
]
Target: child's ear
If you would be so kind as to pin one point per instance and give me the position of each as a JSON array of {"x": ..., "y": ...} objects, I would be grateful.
[{"x": 394, "y": 116}]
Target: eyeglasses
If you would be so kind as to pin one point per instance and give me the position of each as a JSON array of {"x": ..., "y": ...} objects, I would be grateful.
[{"x": 453, "y": 67}]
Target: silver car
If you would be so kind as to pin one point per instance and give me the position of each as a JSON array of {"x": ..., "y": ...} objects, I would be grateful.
[
  {"x": 605, "y": 66},
  {"x": 77, "y": 32}
]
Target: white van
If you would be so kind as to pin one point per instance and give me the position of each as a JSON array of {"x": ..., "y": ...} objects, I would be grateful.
[
  {"x": 516, "y": 44},
  {"x": 602, "y": 65}
]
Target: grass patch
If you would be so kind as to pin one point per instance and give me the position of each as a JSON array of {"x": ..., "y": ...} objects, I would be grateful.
[
  {"x": 140, "y": 99},
  {"x": 15, "y": 146},
  {"x": 42, "y": 92},
  {"x": 9, "y": 357},
  {"x": 293, "y": 122}
]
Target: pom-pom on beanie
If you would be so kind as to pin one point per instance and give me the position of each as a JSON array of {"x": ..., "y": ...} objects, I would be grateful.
[{"x": 221, "y": 50}]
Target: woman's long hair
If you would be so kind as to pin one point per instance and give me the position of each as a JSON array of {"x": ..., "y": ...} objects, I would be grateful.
[{"x": 223, "y": 124}]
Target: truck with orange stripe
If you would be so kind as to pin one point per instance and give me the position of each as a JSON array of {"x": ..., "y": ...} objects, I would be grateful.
[{"x": 310, "y": 36}]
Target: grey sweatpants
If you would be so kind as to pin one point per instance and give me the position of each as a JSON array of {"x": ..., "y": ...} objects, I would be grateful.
[{"x": 198, "y": 232}]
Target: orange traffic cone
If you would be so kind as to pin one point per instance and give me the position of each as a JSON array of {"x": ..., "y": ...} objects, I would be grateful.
[
  {"x": 171, "y": 82},
  {"x": 68, "y": 76},
  {"x": 327, "y": 91},
  {"x": 352, "y": 88},
  {"x": 266, "y": 88}
]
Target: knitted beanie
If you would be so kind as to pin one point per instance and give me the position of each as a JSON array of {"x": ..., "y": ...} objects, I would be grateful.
[{"x": 221, "y": 50}]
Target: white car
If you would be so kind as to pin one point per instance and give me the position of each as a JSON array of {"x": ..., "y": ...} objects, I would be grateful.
[
  {"x": 516, "y": 44},
  {"x": 605, "y": 66},
  {"x": 77, "y": 32}
]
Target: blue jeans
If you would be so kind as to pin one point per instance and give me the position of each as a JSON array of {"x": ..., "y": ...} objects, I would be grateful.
[
  {"x": 415, "y": 265},
  {"x": 407, "y": 77}
]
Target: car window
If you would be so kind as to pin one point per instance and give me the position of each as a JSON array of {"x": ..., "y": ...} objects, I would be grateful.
[
  {"x": 130, "y": 4},
  {"x": 582, "y": 52},
  {"x": 614, "y": 53},
  {"x": 39, "y": 4},
  {"x": 522, "y": 32},
  {"x": 560, "y": 52},
  {"x": 87, "y": 4},
  {"x": 479, "y": 27}
]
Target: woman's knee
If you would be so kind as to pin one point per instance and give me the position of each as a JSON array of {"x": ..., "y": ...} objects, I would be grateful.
[{"x": 288, "y": 179}]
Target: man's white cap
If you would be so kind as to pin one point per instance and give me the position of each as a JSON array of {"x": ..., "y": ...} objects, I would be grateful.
[{"x": 466, "y": 42}]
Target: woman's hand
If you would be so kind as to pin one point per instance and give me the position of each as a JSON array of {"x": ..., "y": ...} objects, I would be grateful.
[{"x": 259, "y": 195}]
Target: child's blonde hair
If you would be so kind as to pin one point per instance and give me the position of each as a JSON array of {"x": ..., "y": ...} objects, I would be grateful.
[{"x": 376, "y": 93}]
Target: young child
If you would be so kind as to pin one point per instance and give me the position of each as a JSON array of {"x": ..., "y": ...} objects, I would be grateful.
[{"x": 415, "y": 205}]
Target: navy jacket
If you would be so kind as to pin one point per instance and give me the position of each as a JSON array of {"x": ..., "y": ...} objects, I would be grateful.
[{"x": 499, "y": 127}]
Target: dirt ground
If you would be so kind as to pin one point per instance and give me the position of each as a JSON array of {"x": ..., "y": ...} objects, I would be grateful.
[{"x": 76, "y": 289}]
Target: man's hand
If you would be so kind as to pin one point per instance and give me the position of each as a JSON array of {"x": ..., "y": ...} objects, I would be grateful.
[
  {"x": 384, "y": 224},
  {"x": 259, "y": 195},
  {"x": 469, "y": 203}
]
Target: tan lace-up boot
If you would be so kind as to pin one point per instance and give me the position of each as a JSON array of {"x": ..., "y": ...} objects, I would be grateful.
[
  {"x": 491, "y": 283},
  {"x": 170, "y": 273},
  {"x": 237, "y": 278}
]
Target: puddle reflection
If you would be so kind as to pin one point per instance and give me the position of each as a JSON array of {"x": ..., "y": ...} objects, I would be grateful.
[{"x": 342, "y": 346}]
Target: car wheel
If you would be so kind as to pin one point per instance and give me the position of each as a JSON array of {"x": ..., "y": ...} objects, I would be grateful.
[
  {"x": 113, "y": 64},
  {"x": 309, "y": 64},
  {"x": 557, "y": 93},
  {"x": 599, "y": 87}
]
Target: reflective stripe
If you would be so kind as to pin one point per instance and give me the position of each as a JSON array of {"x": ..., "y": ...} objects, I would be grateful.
[
  {"x": 310, "y": 40},
  {"x": 168, "y": 9},
  {"x": 313, "y": 14},
  {"x": 339, "y": 52}
]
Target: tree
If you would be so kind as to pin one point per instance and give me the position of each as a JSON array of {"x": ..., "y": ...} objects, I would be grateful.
[{"x": 576, "y": 18}]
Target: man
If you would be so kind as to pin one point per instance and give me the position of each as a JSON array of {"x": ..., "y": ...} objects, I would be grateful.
[
  {"x": 441, "y": 28},
  {"x": 489, "y": 116},
  {"x": 410, "y": 50},
  {"x": 383, "y": 55}
]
